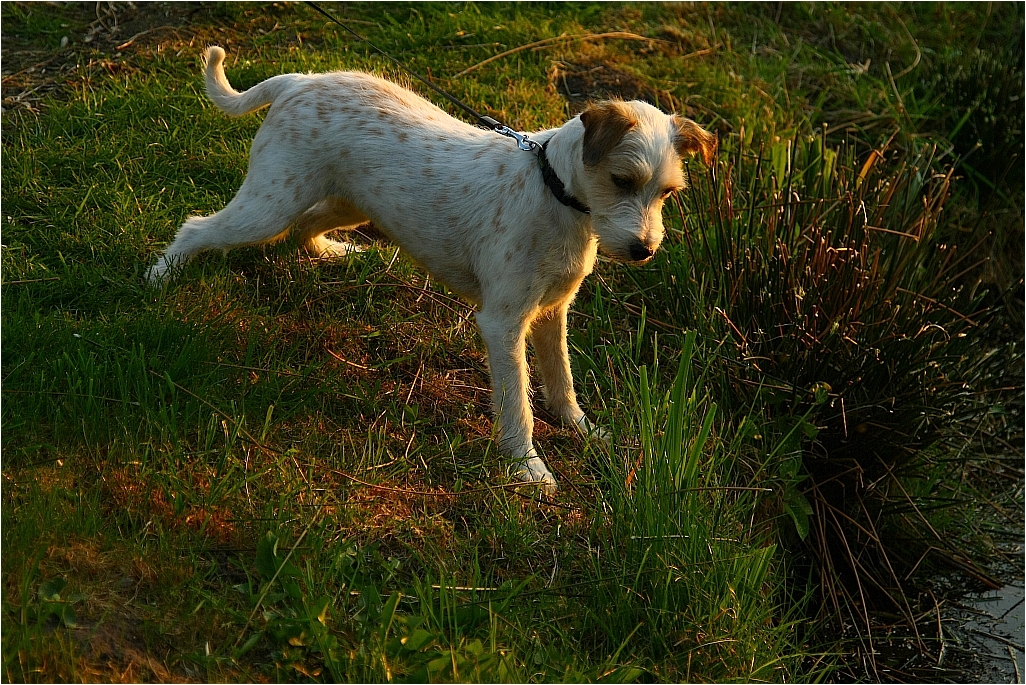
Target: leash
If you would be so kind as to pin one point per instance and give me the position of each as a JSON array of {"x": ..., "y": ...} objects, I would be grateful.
[{"x": 523, "y": 142}]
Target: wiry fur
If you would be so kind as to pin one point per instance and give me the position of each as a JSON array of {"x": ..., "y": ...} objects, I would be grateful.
[{"x": 338, "y": 149}]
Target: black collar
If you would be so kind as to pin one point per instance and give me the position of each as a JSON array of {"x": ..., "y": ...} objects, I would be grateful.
[{"x": 555, "y": 185}]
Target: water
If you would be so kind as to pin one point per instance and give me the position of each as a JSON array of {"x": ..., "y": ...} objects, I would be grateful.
[{"x": 986, "y": 636}]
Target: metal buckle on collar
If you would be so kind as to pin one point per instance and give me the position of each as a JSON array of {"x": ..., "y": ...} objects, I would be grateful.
[
  {"x": 523, "y": 142},
  {"x": 548, "y": 175}
]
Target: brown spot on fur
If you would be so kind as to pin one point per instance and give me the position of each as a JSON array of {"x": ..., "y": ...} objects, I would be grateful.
[
  {"x": 402, "y": 136},
  {"x": 604, "y": 126},
  {"x": 501, "y": 170},
  {"x": 692, "y": 139}
]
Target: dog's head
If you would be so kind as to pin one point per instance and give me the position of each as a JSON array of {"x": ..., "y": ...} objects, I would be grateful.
[{"x": 632, "y": 163}]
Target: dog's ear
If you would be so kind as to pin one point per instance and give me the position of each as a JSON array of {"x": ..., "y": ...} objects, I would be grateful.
[
  {"x": 692, "y": 139},
  {"x": 605, "y": 123}
]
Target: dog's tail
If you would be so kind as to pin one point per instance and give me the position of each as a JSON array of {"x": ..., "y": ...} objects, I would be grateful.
[{"x": 230, "y": 101}]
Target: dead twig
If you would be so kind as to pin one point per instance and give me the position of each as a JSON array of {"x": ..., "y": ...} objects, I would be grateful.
[
  {"x": 131, "y": 40},
  {"x": 437, "y": 298},
  {"x": 34, "y": 66},
  {"x": 939, "y": 304},
  {"x": 426, "y": 493},
  {"x": 919, "y": 53},
  {"x": 65, "y": 394},
  {"x": 31, "y": 280},
  {"x": 546, "y": 42},
  {"x": 346, "y": 361}
]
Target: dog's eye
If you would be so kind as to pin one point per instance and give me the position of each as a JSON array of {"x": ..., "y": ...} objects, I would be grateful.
[{"x": 623, "y": 182}]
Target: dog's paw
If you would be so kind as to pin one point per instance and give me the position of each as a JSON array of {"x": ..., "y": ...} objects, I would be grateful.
[
  {"x": 592, "y": 431},
  {"x": 533, "y": 471},
  {"x": 327, "y": 248},
  {"x": 159, "y": 274},
  {"x": 167, "y": 267}
]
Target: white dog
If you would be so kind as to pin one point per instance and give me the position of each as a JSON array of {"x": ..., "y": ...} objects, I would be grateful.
[{"x": 513, "y": 232}]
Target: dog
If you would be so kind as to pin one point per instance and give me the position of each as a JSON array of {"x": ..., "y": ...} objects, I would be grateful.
[{"x": 512, "y": 231}]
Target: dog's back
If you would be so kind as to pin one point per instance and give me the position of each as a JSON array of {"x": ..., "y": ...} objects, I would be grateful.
[{"x": 390, "y": 99}]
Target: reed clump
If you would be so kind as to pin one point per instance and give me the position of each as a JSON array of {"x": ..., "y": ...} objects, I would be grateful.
[{"x": 843, "y": 315}]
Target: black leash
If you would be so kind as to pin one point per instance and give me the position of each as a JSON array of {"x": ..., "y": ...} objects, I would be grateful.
[{"x": 523, "y": 142}]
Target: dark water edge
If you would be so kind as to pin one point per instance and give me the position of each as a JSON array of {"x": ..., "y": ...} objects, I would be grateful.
[
  {"x": 972, "y": 637},
  {"x": 973, "y": 634},
  {"x": 986, "y": 636}
]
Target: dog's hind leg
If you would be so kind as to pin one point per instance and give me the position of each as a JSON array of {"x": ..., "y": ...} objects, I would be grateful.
[
  {"x": 259, "y": 213},
  {"x": 329, "y": 214}
]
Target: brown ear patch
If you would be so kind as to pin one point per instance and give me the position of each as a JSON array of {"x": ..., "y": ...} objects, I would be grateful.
[
  {"x": 605, "y": 124},
  {"x": 692, "y": 139}
]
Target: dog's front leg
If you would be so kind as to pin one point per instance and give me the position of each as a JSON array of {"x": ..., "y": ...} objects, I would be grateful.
[
  {"x": 549, "y": 336},
  {"x": 506, "y": 339}
]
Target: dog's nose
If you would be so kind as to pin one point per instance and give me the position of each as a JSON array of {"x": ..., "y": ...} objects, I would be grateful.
[{"x": 639, "y": 251}]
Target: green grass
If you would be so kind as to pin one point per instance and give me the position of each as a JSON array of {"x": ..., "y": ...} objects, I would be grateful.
[{"x": 282, "y": 468}]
